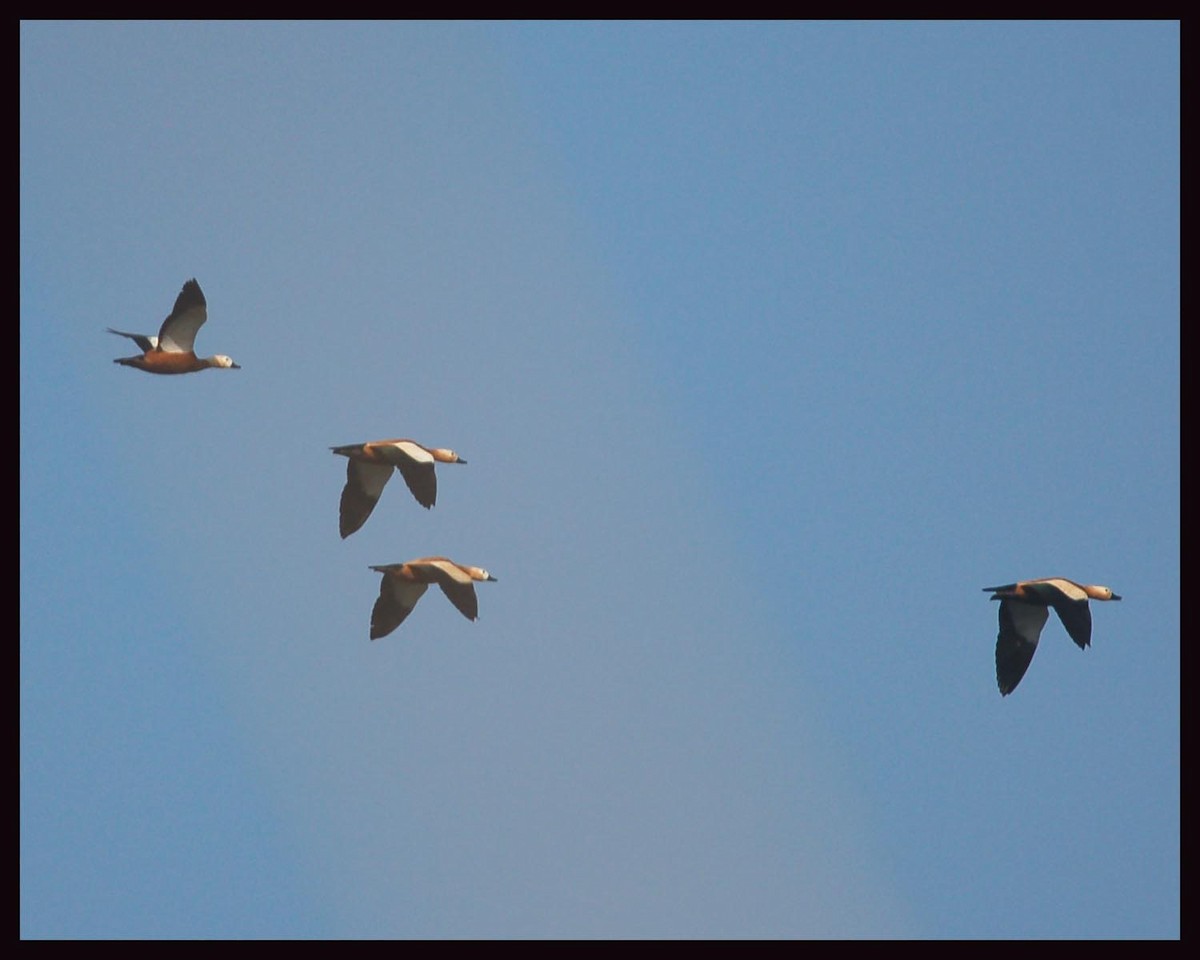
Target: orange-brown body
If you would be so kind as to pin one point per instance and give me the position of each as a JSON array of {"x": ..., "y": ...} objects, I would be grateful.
[
  {"x": 369, "y": 467},
  {"x": 172, "y": 350},
  {"x": 1024, "y": 610},
  {"x": 162, "y": 361},
  {"x": 403, "y": 584}
]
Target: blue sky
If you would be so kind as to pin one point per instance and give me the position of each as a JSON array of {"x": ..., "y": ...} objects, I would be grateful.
[{"x": 768, "y": 345}]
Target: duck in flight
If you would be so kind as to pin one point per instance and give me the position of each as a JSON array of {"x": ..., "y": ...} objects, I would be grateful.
[
  {"x": 1024, "y": 609},
  {"x": 369, "y": 467},
  {"x": 404, "y": 583},
  {"x": 171, "y": 351}
]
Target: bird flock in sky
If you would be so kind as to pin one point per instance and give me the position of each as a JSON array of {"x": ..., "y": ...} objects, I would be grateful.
[
  {"x": 369, "y": 467},
  {"x": 1024, "y": 606}
]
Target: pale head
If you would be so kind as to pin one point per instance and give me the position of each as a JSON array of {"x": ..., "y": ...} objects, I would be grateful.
[
  {"x": 444, "y": 455},
  {"x": 224, "y": 362},
  {"x": 1101, "y": 593}
]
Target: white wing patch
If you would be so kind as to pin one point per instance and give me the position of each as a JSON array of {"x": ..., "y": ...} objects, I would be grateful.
[
  {"x": 178, "y": 332},
  {"x": 450, "y": 570},
  {"x": 1066, "y": 588},
  {"x": 406, "y": 448}
]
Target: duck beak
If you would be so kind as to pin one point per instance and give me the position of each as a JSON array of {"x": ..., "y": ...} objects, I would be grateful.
[{"x": 1115, "y": 597}]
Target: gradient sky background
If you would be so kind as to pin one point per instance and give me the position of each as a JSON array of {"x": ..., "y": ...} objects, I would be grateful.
[{"x": 768, "y": 345}]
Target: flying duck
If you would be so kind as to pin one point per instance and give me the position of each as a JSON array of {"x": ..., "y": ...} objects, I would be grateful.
[
  {"x": 1024, "y": 609},
  {"x": 369, "y": 468},
  {"x": 404, "y": 583},
  {"x": 171, "y": 351}
]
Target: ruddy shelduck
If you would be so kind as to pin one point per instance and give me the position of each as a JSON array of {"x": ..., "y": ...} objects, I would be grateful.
[
  {"x": 370, "y": 467},
  {"x": 404, "y": 583},
  {"x": 171, "y": 351},
  {"x": 1024, "y": 609}
]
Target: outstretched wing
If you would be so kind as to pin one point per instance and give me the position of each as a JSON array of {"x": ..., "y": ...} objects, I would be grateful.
[
  {"x": 1070, "y": 602},
  {"x": 178, "y": 333},
  {"x": 1076, "y": 616},
  {"x": 415, "y": 464},
  {"x": 396, "y": 601},
  {"x": 364, "y": 484},
  {"x": 1020, "y": 627},
  {"x": 456, "y": 584}
]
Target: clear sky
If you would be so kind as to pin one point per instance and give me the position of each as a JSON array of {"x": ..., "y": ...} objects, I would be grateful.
[{"x": 768, "y": 345}]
